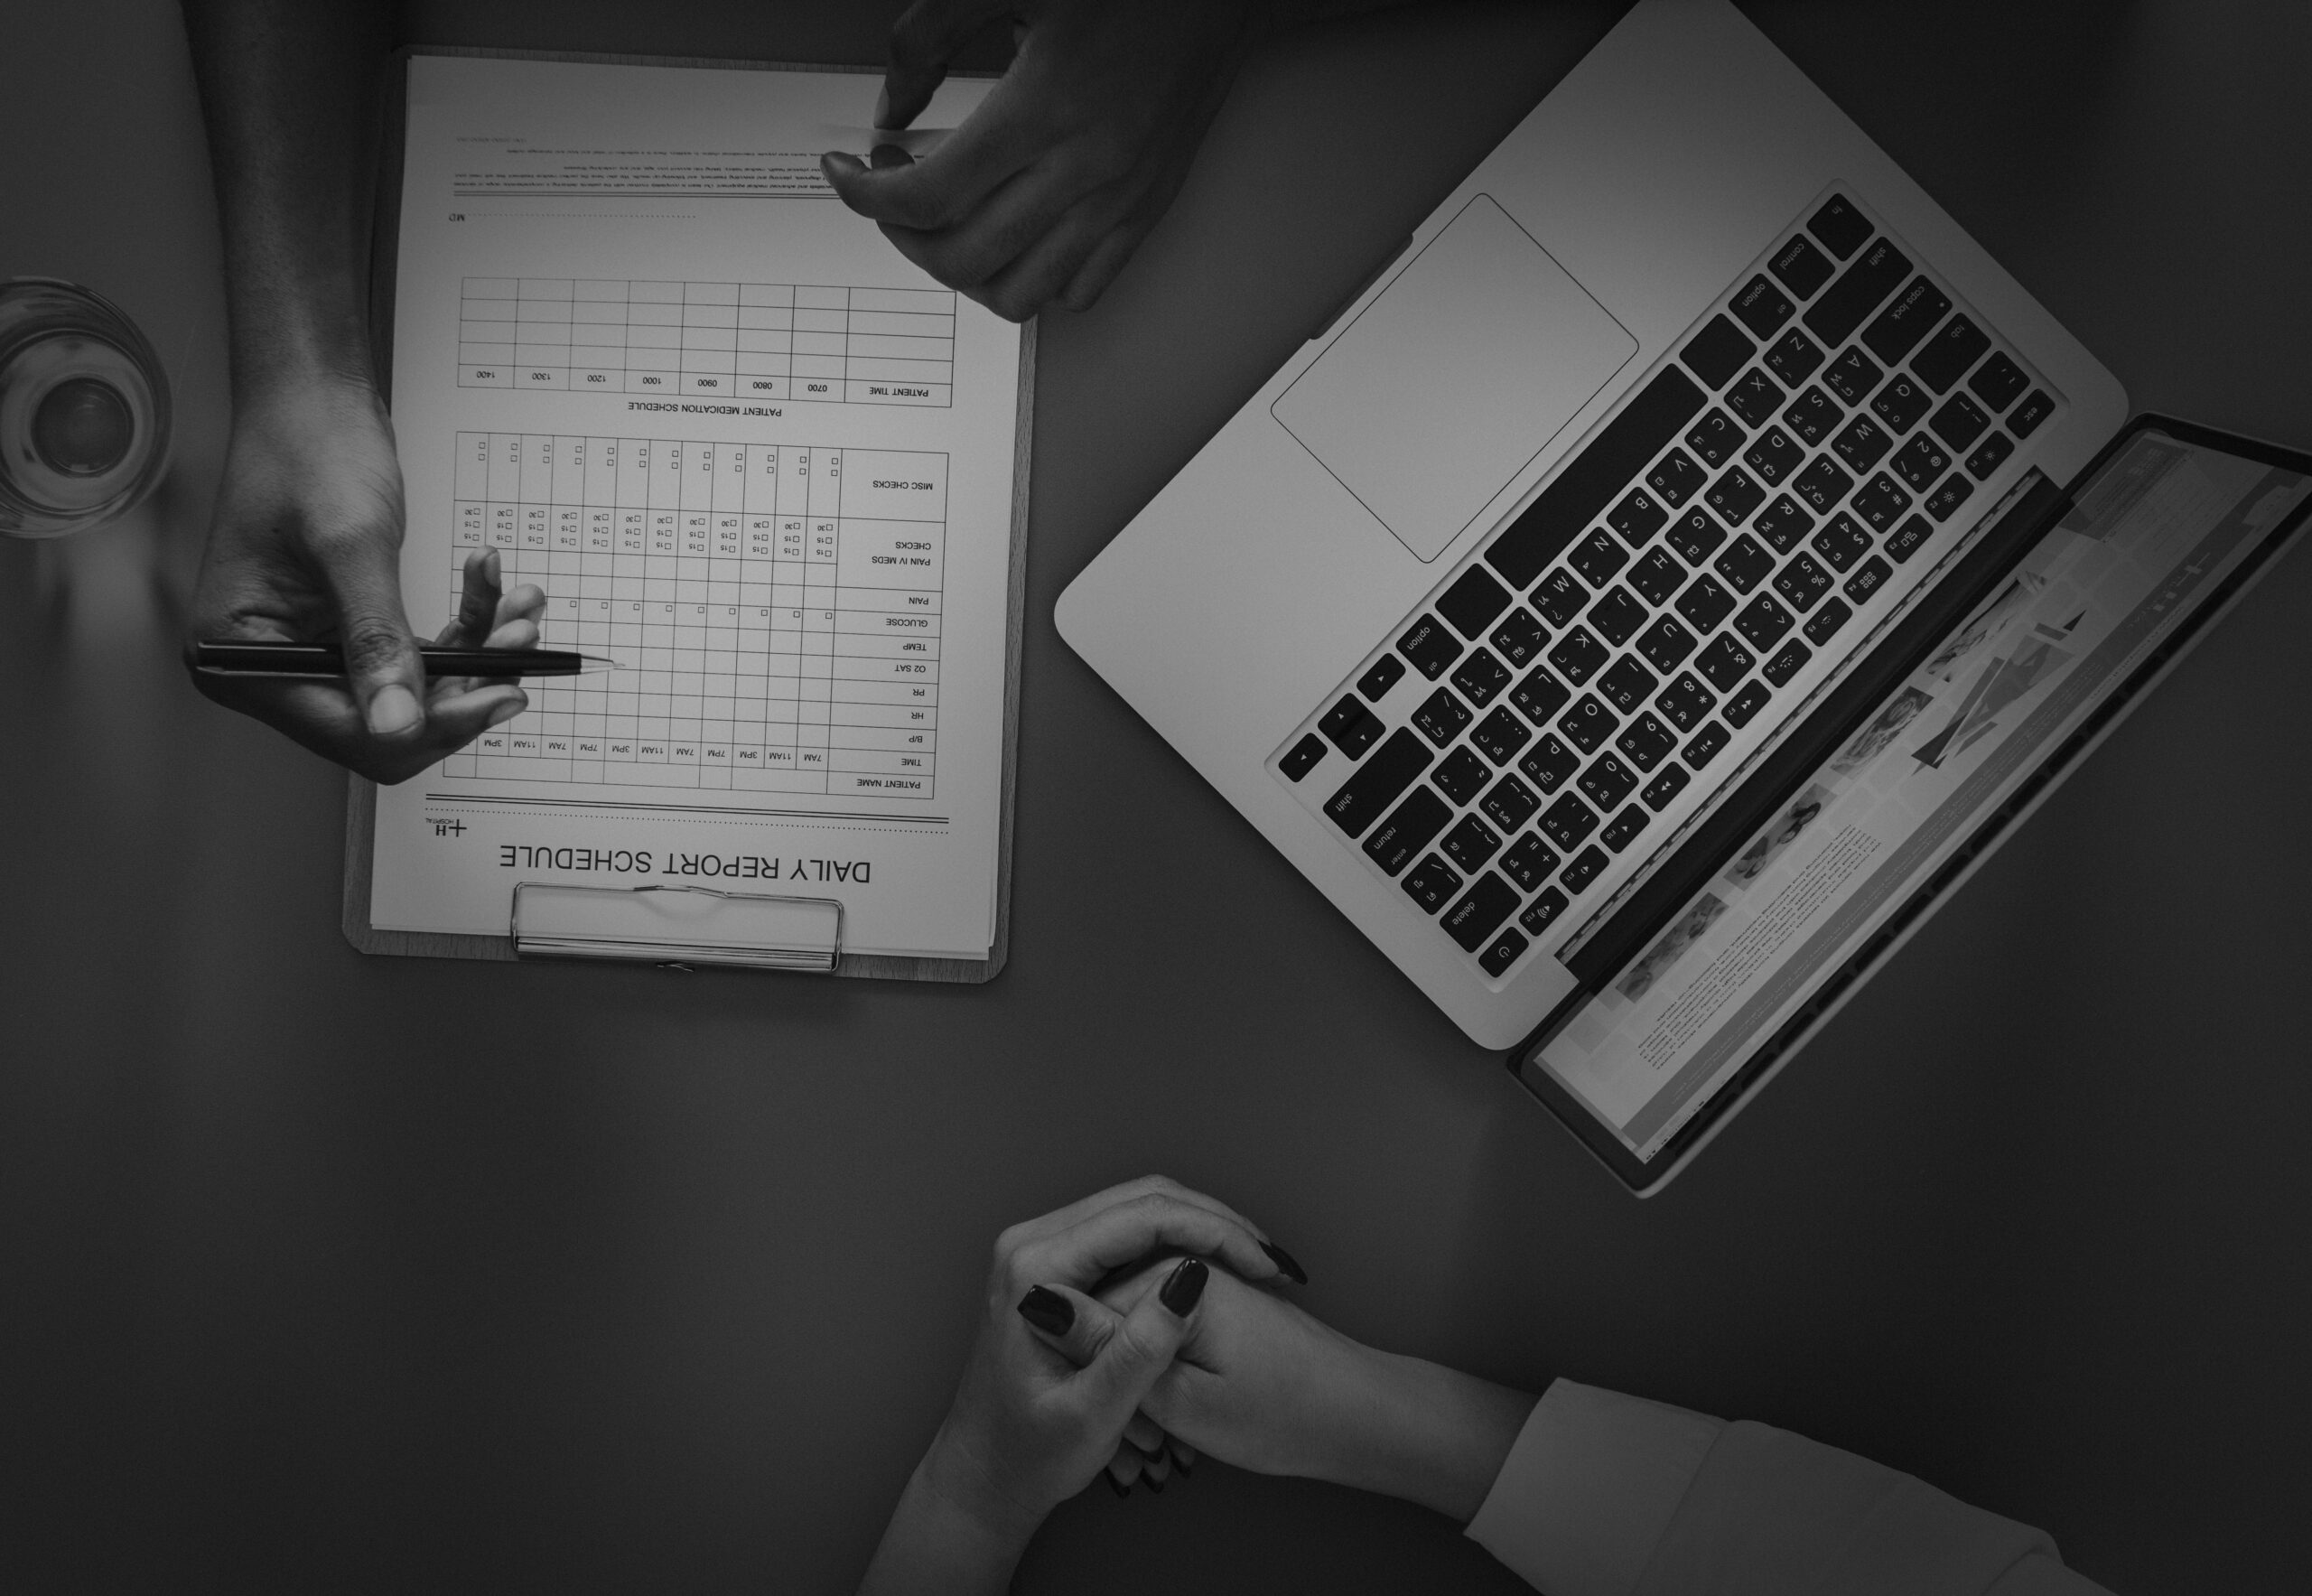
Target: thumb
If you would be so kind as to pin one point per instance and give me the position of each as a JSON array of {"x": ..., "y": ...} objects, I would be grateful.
[
  {"x": 924, "y": 40},
  {"x": 381, "y": 662},
  {"x": 1135, "y": 1349}
]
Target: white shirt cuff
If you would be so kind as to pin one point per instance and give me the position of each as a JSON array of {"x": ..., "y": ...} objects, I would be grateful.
[{"x": 1588, "y": 1489}]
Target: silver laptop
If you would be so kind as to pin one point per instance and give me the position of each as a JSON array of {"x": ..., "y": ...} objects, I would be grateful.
[{"x": 1491, "y": 597}]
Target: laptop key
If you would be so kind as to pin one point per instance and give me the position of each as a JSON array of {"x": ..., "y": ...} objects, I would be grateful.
[
  {"x": 1579, "y": 656},
  {"x": 1636, "y": 517},
  {"x": 1840, "y": 226},
  {"x": 1903, "y": 542},
  {"x": 1802, "y": 583},
  {"x": 1559, "y": 598},
  {"x": 1582, "y": 869},
  {"x": 1775, "y": 455},
  {"x": 1386, "y": 672},
  {"x": 1920, "y": 462},
  {"x": 1540, "y": 695},
  {"x": 1944, "y": 502},
  {"x": 1677, "y": 477},
  {"x": 1519, "y": 637},
  {"x": 1306, "y": 755},
  {"x": 1442, "y": 717},
  {"x": 1842, "y": 542},
  {"x": 1623, "y": 830},
  {"x": 1663, "y": 788},
  {"x": 1470, "y": 844},
  {"x": 1664, "y": 643},
  {"x": 1763, "y": 621},
  {"x": 1881, "y": 502},
  {"x": 1958, "y": 423},
  {"x": 1596, "y": 558},
  {"x": 1802, "y": 267},
  {"x": 1543, "y": 909},
  {"x": 1867, "y": 282},
  {"x": 1715, "y": 437},
  {"x": 1657, "y": 577},
  {"x": 1794, "y": 358},
  {"x": 1852, "y": 377},
  {"x": 1569, "y": 821},
  {"x": 1735, "y": 495},
  {"x": 1762, "y": 307},
  {"x": 1754, "y": 399},
  {"x": 1908, "y": 319},
  {"x": 1411, "y": 827},
  {"x": 1587, "y": 723},
  {"x": 1821, "y": 484},
  {"x": 1717, "y": 353},
  {"x": 1745, "y": 563},
  {"x": 1902, "y": 403},
  {"x": 2030, "y": 414},
  {"x": 1989, "y": 456},
  {"x": 1744, "y": 706},
  {"x": 1869, "y": 580},
  {"x": 1705, "y": 605},
  {"x": 1646, "y": 741},
  {"x": 1503, "y": 951},
  {"x": 1499, "y": 736},
  {"x": 1951, "y": 353},
  {"x": 1378, "y": 783},
  {"x": 1696, "y": 535},
  {"x": 1529, "y": 862},
  {"x": 1827, "y": 621},
  {"x": 1432, "y": 883},
  {"x": 1472, "y": 921},
  {"x": 1351, "y": 727},
  {"x": 1782, "y": 524},
  {"x": 1999, "y": 382},
  {"x": 1473, "y": 601},
  {"x": 1549, "y": 763},
  {"x": 1861, "y": 444},
  {"x": 1431, "y": 648},
  {"x": 1481, "y": 677},
  {"x": 1705, "y": 745},
  {"x": 1627, "y": 684},
  {"x": 1618, "y": 616},
  {"x": 1813, "y": 415},
  {"x": 1724, "y": 664},
  {"x": 1461, "y": 776},
  {"x": 1510, "y": 804},
  {"x": 1785, "y": 662},
  {"x": 1607, "y": 781},
  {"x": 1685, "y": 702}
]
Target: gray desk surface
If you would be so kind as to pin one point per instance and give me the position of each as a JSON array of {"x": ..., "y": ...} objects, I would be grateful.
[{"x": 326, "y": 1272}]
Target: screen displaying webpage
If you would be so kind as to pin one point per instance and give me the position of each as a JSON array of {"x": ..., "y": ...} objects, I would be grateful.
[{"x": 2150, "y": 537}]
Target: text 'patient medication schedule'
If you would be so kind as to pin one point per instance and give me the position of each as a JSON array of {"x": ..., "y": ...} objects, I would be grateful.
[{"x": 750, "y": 453}]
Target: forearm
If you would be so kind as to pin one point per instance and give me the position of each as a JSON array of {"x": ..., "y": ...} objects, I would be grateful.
[
  {"x": 1431, "y": 1435},
  {"x": 289, "y": 91},
  {"x": 950, "y": 1536}
]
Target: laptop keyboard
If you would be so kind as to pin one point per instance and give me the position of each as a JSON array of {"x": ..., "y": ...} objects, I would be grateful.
[{"x": 1685, "y": 579}]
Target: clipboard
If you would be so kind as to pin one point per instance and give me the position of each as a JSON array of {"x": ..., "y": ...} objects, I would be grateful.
[{"x": 676, "y": 927}]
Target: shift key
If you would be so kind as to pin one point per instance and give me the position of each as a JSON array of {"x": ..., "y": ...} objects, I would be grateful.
[{"x": 1379, "y": 782}]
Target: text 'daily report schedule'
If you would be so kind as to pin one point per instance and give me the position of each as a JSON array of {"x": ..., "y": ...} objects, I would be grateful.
[
  {"x": 776, "y": 610},
  {"x": 746, "y": 341}
]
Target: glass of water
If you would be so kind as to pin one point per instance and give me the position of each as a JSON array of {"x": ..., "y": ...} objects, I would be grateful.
[{"x": 84, "y": 409}]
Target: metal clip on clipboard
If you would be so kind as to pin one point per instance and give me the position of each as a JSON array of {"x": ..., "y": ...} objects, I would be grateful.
[{"x": 679, "y": 925}]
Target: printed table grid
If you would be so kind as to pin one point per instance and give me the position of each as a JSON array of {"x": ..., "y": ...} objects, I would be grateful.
[
  {"x": 750, "y": 341},
  {"x": 776, "y": 609}
]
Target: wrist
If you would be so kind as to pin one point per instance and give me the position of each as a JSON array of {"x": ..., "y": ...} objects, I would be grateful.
[
  {"x": 952, "y": 1472},
  {"x": 1434, "y": 1435}
]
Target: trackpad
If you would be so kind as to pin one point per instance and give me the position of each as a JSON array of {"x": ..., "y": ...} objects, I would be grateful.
[{"x": 1455, "y": 377}]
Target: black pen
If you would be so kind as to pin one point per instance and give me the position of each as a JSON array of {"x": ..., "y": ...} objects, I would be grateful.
[{"x": 225, "y": 657}]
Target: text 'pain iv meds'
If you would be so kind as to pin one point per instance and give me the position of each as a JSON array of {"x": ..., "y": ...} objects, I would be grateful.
[{"x": 84, "y": 410}]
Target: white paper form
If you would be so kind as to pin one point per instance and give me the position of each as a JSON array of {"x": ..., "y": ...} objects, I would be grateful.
[{"x": 749, "y": 451}]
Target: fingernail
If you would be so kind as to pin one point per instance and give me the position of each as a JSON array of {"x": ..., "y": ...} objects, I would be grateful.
[
  {"x": 393, "y": 711},
  {"x": 883, "y": 107},
  {"x": 840, "y": 161},
  {"x": 1154, "y": 1484},
  {"x": 1185, "y": 1287},
  {"x": 1182, "y": 1464},
  {"x": 1116, "y": 1485},
  {"x": 507, "y": 712},
  {"x": 1047, "y": 1310},
  {"x": 1286, "y": 1264}
]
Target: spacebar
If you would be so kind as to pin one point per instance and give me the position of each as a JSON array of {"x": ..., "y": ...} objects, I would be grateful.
[{"x": 1584, "y": 489}]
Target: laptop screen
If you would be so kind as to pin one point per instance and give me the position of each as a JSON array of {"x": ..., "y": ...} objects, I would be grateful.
[{"x": 2154, "y": 535}]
